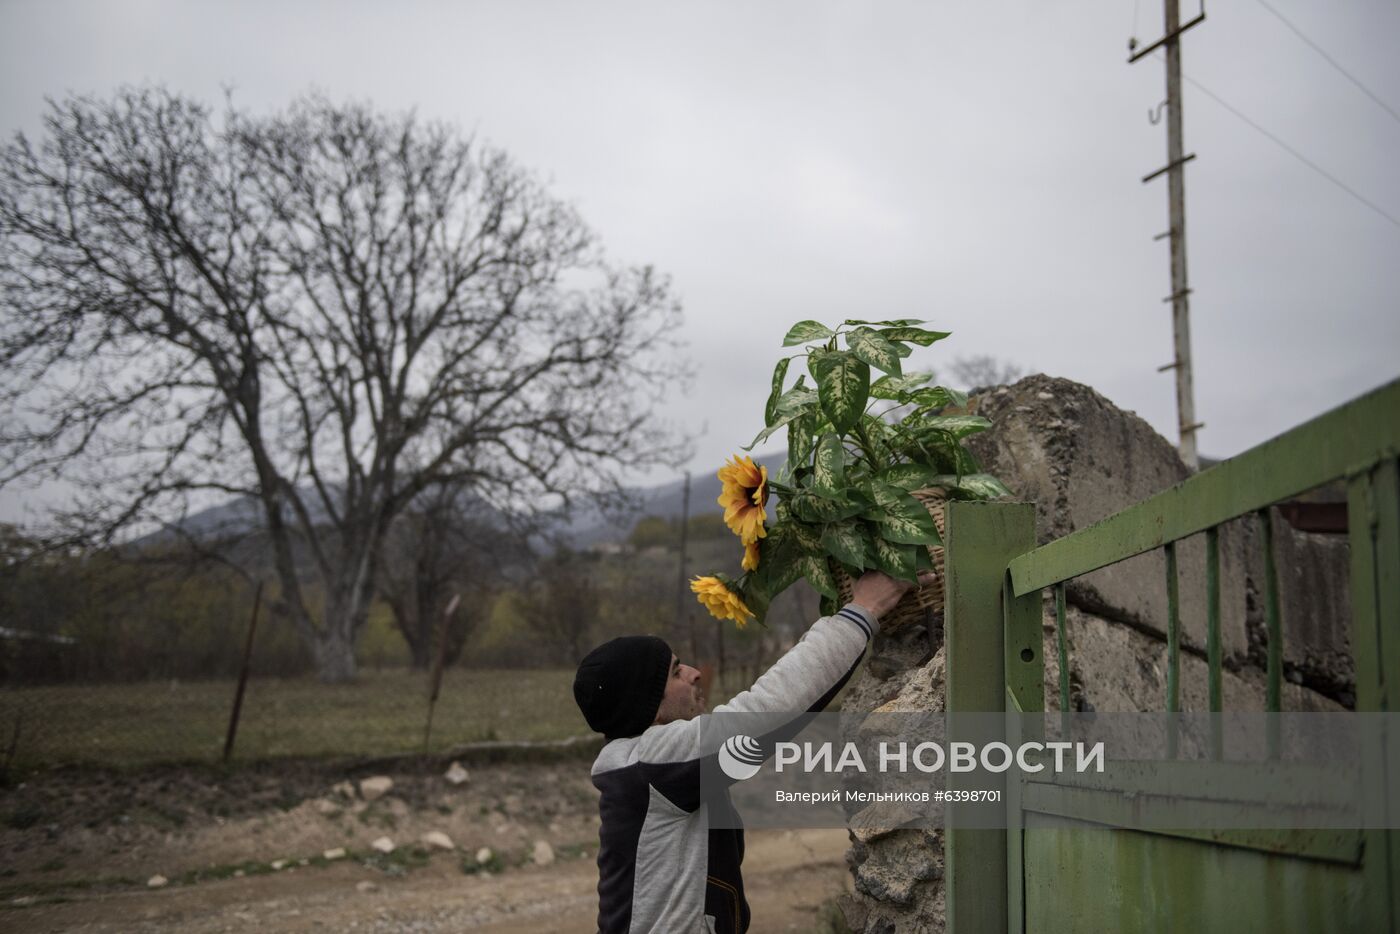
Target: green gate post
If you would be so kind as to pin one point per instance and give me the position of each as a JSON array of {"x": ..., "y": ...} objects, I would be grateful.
[
  {"x": 981, "y": 539},
  {"x": 1373, "y": 519}
]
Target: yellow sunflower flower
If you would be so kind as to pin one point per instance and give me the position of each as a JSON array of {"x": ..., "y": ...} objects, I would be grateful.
[
  {"x": 743, "y": 496},
  {"x": 750, "y": 561},
  {"x": 722, "y": 602}
]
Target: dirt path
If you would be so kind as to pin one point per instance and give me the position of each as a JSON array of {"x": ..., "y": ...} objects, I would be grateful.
[{"x": 789, "y": 875}]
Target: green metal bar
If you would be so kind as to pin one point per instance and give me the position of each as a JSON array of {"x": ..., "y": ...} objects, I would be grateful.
[
  {"x": 1213, "y": 653},
  {"x": 1173, "y": 816},
  {"x": 1332, "y": 445},
  {"x": 1025, "y": 651},
  {"x": 981, "y": 538},
  {"x": 1173, "y": 649},
  {"x": 1062, "y": 650},
  {"x": 1386, "y": 485},
  {"x": 1025, "y": 693},
  {"x": 1370, "y": 691},
  {"x": 1061, "y": 647}
]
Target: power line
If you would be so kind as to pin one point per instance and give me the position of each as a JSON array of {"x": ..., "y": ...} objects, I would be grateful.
[
  {"x": 1293, "y": 152},
  {"x": 1333, "y": 62}
]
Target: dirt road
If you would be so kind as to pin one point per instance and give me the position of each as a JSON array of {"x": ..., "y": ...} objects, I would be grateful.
[
  {"x": 246, "y": 851},
  {"x": 789, "y": 874}
]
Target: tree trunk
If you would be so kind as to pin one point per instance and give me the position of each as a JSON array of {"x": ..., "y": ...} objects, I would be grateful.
[{"x": 334, "y": 654}]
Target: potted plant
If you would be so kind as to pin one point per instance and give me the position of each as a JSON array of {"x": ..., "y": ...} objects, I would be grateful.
[{"x": 869, "y": 467}]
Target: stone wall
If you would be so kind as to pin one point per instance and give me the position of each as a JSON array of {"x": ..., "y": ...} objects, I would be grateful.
[{"x": 1080, "y": 459}]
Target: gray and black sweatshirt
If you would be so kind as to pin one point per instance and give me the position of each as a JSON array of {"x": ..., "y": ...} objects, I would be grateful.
[{"x": 661, "y": 868}]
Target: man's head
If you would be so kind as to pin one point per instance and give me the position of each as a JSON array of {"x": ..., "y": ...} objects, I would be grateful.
[{"x": 627, "y": 684}]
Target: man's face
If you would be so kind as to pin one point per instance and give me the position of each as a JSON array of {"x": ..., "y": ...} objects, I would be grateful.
[{"x": 683, "y": 699}]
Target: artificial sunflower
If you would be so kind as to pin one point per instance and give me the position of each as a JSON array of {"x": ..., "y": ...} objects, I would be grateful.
[
  {"x": 723, "y": 603},
  {"x": 743, "y": 496},
  {"x": 750, "y": 556}
]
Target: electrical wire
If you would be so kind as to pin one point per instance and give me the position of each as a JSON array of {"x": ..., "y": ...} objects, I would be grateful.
[
  {"x": 1293, "y": 152},
  {"x": 1333, "y": 62}
]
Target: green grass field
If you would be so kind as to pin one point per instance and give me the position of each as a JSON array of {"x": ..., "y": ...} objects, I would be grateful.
[{"x": 381, "y": 714}]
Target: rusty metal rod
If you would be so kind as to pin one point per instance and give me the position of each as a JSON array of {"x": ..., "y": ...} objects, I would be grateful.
[
  {"x": 435, "y": 679},
  {"x": 243, "y": 676}
]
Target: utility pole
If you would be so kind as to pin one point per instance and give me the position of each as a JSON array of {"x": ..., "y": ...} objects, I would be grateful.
[{"x": 1176, "y": 203}]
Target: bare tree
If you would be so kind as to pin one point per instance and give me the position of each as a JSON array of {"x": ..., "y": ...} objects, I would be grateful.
[
  {"x": 448, "y": 544},
  {"x": 564, "y": 604},
  {"x": 983, "y": 370},
  {"x": 328, "y": 309}
]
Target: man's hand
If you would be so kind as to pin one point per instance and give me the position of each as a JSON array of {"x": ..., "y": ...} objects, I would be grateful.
[{"x": 877, "y": 592}]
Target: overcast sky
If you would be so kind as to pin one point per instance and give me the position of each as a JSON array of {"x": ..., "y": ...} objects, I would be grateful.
[{"x": 977, "y": 165}]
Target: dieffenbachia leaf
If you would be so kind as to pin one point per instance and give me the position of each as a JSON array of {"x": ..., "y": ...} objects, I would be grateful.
[
  {"x": 909, "y": 476},
  {"x": 770, "y": 411},
  {"x": 805, "y": 331},
  {"x": 874, "y": 350},
  {"x": 828, "y": 468},
  {"x": 981, "y": 485},
  {"x": 906, "y": 519},
  {"x": 811, "y": 508},
  {"x": 896, "y": 559},
  {"x": 797, "y": 399},
  {"x": 910, "y": 530},
  {"x": 960, "y": 426},
  {"x": 913, "y": 335},
  {"x": 896, "y": 323},
  {"x": 768, "y": 432},
  {"x": 806, "y": 539},
  {"x": 846, "y": 541},
  {"x": 818, "y": 574},
  {"x": 800, "y": 440},
  {"x": 843, "y": 386},
  {"x": 894, "y": 387}
]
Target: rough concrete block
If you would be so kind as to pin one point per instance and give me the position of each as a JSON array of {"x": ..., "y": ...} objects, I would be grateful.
[
  {"x": 1081, "y": 459},
  {"x": 1314, "y": 583}
]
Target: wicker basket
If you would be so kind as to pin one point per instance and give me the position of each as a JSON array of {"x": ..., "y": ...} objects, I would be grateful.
[{"x": 916, "y": 604}]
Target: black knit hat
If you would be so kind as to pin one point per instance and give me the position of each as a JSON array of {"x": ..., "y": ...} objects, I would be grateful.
[{"x": 620, "y": 684}]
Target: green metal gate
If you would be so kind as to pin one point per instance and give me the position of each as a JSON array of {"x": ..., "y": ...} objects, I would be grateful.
[{"x": 1045, "y": 873}]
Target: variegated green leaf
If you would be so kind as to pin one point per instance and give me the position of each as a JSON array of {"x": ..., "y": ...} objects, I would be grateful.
[
  {"x": 770, "y": 411},
  {"x": 843, "y": 385},
  {"x": 909, "y": 476},
  {"x": 796, "y": 399},
  {"x": 768, "y": 432},
  {"x": 959, "y": 425},
  {"x": 896, "y": 559},
  {"x": 966, "y": 462},
  {"x": 814, "y": 509},
  {"x": 910, "y": 530},
  {"x": 874, "y": 350},
  {"x": 806, "y": 539},
  {"x": 804, "y": 331},
  {"x": 923, "y": 561},
  {"x": 894, "y": 387},
  {"x": 935, "y": 397},
  {"x": 846, "y": 542},
  {"x": 829, "y": 467},
  {"x": 914, "y": 335},
  {"x": 815, "y": 569},
  {"x": 981, "y": 485},
  {"x": 801, "y": 439},
  {"x": 895, "y": 323}
]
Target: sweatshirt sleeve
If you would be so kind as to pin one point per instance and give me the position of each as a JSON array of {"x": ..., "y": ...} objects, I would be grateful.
[{"x": 800, "y": 681}]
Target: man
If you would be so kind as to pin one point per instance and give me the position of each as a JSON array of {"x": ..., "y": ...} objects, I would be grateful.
[{"x": 661, "y": 868}]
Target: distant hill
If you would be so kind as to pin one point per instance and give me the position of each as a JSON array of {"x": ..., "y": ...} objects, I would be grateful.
[{"x": 588, "y": 526}]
